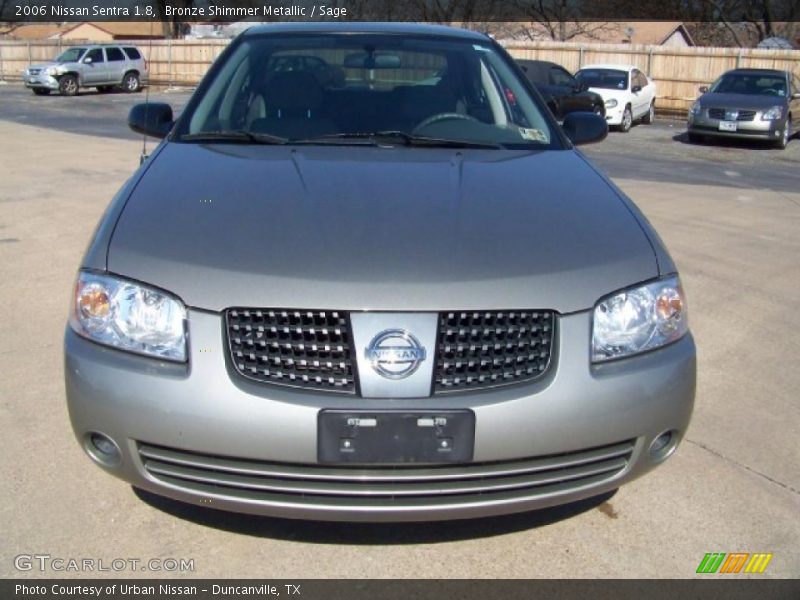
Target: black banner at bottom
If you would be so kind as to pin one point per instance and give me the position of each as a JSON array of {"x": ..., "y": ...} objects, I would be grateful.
[{"x": 415, "y": 589}]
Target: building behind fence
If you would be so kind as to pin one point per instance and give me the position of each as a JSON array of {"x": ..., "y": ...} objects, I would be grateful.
[{"x": 678, "y": 72}]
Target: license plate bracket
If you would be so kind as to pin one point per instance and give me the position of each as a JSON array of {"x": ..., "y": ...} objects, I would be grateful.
[
  {"x": 395, "y": 437},
  {"x": 728, "y": 125}
]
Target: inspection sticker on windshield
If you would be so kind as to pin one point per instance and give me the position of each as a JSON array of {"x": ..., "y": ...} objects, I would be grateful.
[{"x": 535, "y": 135}]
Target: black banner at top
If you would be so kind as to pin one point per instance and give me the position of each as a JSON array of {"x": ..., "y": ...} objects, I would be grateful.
[{"x": 439, "y": 11}]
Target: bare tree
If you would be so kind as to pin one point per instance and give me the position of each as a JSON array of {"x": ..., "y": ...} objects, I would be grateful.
[{"x": 560, "y": 20}]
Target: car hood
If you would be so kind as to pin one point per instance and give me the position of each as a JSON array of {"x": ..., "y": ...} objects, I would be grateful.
[
  {"x": 378, "y": 228},
  {"x": 607, "y": 94},
  {"x": 749, "y": 101}
]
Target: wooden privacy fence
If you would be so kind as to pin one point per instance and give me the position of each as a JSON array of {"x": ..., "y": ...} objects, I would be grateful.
[{"x": 678, "y": 72}]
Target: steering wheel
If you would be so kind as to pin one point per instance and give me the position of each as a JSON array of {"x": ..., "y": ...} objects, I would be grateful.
[{"x": 445, "y": 116}]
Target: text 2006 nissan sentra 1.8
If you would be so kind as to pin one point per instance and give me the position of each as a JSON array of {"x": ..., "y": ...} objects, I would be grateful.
[{"x": 366, "y": 276}]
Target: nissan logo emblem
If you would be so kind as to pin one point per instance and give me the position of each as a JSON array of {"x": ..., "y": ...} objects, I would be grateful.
[{"x": 395, "y": 353}]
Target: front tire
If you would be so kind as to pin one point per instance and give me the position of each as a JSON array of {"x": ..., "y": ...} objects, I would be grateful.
[
  {"x": 651, "y": 114},
  {"x": 41, "y": 91},
  {"x": 787, "y": 133},
  {"x": 131, "y": 83},
  {"x": 627, "y": 120},
  {"x": 68, "y": 85}
]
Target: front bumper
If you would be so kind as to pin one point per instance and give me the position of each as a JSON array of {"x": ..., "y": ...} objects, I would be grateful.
[
  {"x": 702, "y": 124},
  {"x": 200, "y": 434},
  {"x": 40, "y": 81}
]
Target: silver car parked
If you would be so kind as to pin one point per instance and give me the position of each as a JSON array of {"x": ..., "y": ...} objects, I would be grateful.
[
  {"x": 377, "y": 283},
  {"x": 104, "y": 67},
  {"x": 747, "y": 104}
]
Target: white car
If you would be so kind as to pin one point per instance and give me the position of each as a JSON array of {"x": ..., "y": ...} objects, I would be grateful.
[{"x": 628, "y": 93}]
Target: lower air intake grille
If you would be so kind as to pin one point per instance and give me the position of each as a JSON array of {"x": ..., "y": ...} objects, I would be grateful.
[
  {"x": 302, "y": 348},
  {"x": 485, "y": 349}
]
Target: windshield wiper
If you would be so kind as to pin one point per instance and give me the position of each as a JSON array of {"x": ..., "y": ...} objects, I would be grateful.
[
  {"x": 233, "y": 135},
  {"x": 395, "y": 137}
]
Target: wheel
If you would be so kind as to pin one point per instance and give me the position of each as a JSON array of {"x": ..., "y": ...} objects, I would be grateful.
[
  {"x": 695, "y": 138},
  {"x": 651, "y": 115},
  {"x": 68, "y": 85},
  {"x": 787, "y": 133},
  {"x": 442, "y": 117},
  {"x": 130, "y": 83},
  {"x": 627, "y": 120},
  {"x": 41, "y": 91},
  {"x": 104, "y": 89}
]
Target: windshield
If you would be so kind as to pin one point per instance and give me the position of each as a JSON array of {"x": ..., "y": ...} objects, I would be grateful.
[
  {"x": 608, "y": 79},
  {"x": 762, "y": 85},
  {"x": 337, "y": 88},
  {"x": 71, "y": 55}
]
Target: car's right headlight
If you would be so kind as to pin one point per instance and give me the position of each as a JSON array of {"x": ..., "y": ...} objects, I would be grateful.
[
  {"x": 611, "y": 103},
  {"x": 51, "y": 71},
  {"x": 129, "y": 316},
  {"x": 639, "y": 319}
]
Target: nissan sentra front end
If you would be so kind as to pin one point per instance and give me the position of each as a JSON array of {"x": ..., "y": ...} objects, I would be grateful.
[{"x": 423, "y": 322}]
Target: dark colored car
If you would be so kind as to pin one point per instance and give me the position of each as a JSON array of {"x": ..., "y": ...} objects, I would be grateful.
[
  {"x": 747, "y": 104},
  {"x": 562, "y": 92}
]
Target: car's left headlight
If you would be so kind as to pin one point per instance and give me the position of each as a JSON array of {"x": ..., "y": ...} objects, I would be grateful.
[
  {"x": 696, "y": 109},
  {"x": 772, "y": 114},
  {"x": 639, "y": 319},
  {"x": 129, "y": 316}
]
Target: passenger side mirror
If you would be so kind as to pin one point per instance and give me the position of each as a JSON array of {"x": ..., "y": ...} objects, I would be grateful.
[
  {"x": 637, "y": 88},
  {"x": 585, "y": 128},
  {"x": 796, "y": 96},
  {"x": 152, "y": 118},
  {"x": 582, "y": 86},
  {"x": 703, "y": 89}
]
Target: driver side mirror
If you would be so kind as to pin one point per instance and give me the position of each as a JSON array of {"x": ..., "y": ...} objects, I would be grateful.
[
  {"x": 636, "y": 88},
  {"x": 585, "y": 128},
  {"x": 152, "y": 118},
  {"x": 703, "y": 89},
  {"x": 87, "y": 60}
]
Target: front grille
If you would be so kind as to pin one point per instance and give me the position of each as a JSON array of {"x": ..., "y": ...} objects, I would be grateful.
[
  {"x": 305, "y": 348},
  {"x": 719, "y": 113},
  {"x": 313, "y": 349},
  {"x": 485, "y": 349},
  {"x": 356, "y": 487}
]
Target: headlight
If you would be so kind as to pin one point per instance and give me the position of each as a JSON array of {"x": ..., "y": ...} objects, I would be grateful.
[
  {"x": 51, "y": 71},
  {"x": 129, "y": 316},
  {"x": 772, "y": 114},
  {"x": 639, "y": 319},
  {"x": 696, "y": 108},
  {"x": 611, "y": 103}
]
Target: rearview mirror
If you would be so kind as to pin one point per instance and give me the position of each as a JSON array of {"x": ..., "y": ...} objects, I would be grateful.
[
  {"x": 375, "y": 60},
  {"x": 585, "y": 128},
  {"x": 703, "y": 89},
  {"x": 152, "y": 118}
]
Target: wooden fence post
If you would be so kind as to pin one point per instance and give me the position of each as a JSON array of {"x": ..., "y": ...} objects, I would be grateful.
[
  {"x": 169, "y": 63},
  {"x": 2, "y": 70}
]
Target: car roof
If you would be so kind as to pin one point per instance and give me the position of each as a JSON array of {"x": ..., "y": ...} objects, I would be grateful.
[
  {"x": 363, "y": 27},
  {"x": 755, "y": 72},
  {"x": 616, "y": 67}
]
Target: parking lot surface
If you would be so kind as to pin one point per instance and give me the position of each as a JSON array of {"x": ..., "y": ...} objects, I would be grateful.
[{"x": 729, "y": 214}]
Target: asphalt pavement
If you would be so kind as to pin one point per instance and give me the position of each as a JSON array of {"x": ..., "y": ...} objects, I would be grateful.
[{"x": 730, "y": 215}]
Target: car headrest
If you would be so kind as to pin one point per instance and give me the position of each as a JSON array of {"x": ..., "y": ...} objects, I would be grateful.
[{"x": 294, "y": 90}]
